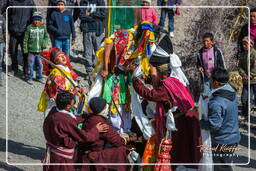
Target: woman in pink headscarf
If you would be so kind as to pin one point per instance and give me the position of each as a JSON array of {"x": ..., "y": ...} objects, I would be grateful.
[{"x": 246, "y": 32}]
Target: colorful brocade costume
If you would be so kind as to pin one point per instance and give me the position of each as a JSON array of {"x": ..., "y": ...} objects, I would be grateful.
[
  {"x": 126, "y": 51},
  {"x": 56, "y": 81}
]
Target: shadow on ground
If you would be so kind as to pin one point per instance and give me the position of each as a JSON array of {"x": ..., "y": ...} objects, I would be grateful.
[{"x": 32, "y": 152}]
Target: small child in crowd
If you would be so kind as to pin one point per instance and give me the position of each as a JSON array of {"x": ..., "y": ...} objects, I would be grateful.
[
  {"x": 2, "y": 41},
  {"x": 209, "y": 57},
  {"x": 146, "y": 14},
  {"x": 243, "y": 71},
  {"x": 35, "y": 40},
  {"x": 61, "y": 24}
]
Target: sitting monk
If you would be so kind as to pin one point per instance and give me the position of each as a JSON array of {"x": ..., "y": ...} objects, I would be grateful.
[
  {"x": 95, "y": 152},
  {"x": 62, "y": 133},
  {"x": 60, "y": 77},
  {"x": 167, "y": 93}
]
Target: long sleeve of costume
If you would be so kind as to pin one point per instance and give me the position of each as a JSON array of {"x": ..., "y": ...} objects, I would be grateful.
[
  {"x": 53, "y": 84},
  {"x": 158, "y": 94},
  {"x": 215, "y": 116},
  {"x": 81, "y": 135}
]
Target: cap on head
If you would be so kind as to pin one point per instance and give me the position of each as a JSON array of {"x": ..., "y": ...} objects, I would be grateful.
[
  {"x": 54, "y": 53},
  {"x": 37, "y": 15},
  {"x": 97, "y": 104}
]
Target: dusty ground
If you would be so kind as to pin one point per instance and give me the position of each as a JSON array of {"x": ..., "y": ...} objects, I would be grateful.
[{"x": 24, "y": 124}]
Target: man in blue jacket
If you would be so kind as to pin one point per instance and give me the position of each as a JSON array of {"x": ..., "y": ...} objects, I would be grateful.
[
  {"x": 222, "y": 120},
  {"x": 61, "y": 24},
  {"x": 92, "y": 26},
  {"x": 168, "y": 10}
]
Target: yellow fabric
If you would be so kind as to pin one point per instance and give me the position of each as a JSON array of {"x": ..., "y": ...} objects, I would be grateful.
[
  {"x": 108, "y": 40},
  {"x": 42, "y": 105},
  {"x": 43, "y": 102},
  {"x": 145, "y": 67}
]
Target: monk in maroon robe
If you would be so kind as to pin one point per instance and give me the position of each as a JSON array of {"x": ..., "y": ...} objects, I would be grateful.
[
  {"x": 62, "y": 134},
  {"x": 95, "y": 152},
  {"x": 187, "y": 138}
]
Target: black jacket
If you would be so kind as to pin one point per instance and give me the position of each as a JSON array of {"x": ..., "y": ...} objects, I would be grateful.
[
  {"x": 3, "y": 6},
  {"x": 19, "y": 18},
  {"x": 95, "y": 21},
  {"x": 243, "y": 33},
  {"x": 218, "y": 58}
]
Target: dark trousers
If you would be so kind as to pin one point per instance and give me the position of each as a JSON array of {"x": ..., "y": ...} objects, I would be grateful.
[
  {"x": 15, "y": 41},
  {"x": 245, "y": 97},
  {"x": 223, "y": 154}
]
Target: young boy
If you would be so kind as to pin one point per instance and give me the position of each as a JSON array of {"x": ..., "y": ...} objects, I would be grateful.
[
  {"x": 168, "y": 11},
  {"x": 62, "y": 133},
  {"x": 61, "y": 24},
  {"x": 222, "y": 119},
  {"x": 2, "y": 41},
  {"x": 208, "y": 58},
  {"x": 243, "y": 71},
  {"x": 35, "y": 40}
]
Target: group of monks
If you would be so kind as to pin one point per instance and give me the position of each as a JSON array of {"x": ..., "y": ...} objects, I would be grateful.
[{"x": 108, "y": 132}]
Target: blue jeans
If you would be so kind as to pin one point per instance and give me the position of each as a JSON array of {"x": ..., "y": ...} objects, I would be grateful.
[
  {"x": 170, "y": 13},
  {"x": 34, "y": 60},
  {"x": 207, "y": 86},
  {"x": 1, "y": 59},
  {"x": 63, "y": 44}
]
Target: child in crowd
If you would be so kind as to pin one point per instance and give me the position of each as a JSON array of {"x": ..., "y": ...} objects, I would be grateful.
[
  {"x": 208, "y": 58},
  {"x": 2, "y": 41},
  {"x": 168, "y": 11},
  {"x": 61, "y": 24},
  {"x": 146, "y": 14},
  {"x": 35, "y": 40},
  {"x": 243, "y": 71}
]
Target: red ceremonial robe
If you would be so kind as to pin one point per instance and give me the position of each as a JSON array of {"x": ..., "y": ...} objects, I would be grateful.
[
  {"x": 60, "y": 130},
  {"x": 116, "y": 154},
  {"x": 187, "y": 139}
]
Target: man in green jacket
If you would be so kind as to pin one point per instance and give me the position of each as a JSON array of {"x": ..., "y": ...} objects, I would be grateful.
[
  {"x": 243, "y": 71},
  {"x": 35, "y": 40}
]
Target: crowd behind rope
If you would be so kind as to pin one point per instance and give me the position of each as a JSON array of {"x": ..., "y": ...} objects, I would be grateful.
[{"x": 108, "y": 132}]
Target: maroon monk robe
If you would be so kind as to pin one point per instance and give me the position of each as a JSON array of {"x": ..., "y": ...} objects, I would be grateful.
[
  {"x": 188, "y": 137},
  {"x": 60, "y": 129},
  {"x": 116, "y": 154}
]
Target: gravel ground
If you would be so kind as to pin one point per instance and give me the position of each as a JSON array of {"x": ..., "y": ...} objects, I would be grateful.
[{"x": 26, "y": 142}]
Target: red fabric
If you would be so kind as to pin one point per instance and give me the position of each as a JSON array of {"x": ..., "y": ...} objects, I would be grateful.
[
  {"x": 188, "y": 137},
  {"x": 116, "y": 154},
  {"x": 179, "y": 94},
  {"x": 61, "y": 130}
]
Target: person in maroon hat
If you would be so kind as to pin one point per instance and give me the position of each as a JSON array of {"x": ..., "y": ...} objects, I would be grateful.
[{"x": 95, "y": 152}]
